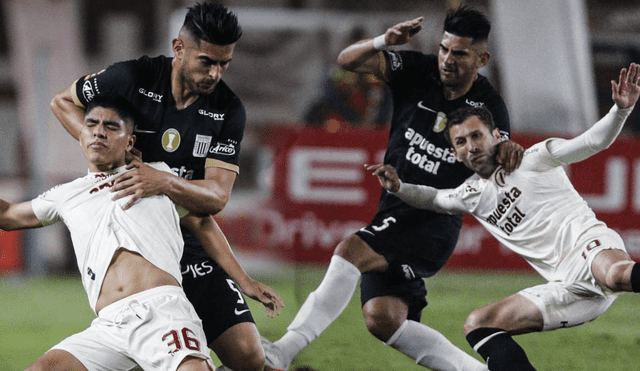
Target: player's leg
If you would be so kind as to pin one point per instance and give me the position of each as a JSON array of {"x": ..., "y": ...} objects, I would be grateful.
[
  {"x": 614, "y": 269},
  {"x": 395, "y": 319},
  {"x": 327, "y": 302},
  {"x": 195, "y": 364},
  {"x": 57, "y": 360},
  {"x": 239, "y": 347},
  {"x": 226, "y": 318},
  {"x": 489, "y": 330}
]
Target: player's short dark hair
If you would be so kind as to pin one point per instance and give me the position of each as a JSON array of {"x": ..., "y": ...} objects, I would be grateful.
[
  {"x": 460, "y": 115},
  {"x": 465, "y": 21},
  {"x": 121, "y": 106},
  {"x": 212, "y": 23}
]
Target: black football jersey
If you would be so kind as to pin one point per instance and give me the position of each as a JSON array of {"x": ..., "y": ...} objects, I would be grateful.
[
  {"x": 210, "y": 128},
  {"x": 417, "y": 147}
]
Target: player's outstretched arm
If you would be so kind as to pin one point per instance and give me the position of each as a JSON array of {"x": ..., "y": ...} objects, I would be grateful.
[
  {"x": 602, "y": 134},
  {"x": 17, "y": 216},
  {"x": 208, "y": 233},
  {"x": 70, "y": 115},
  {"x": 364, "y": 56}
]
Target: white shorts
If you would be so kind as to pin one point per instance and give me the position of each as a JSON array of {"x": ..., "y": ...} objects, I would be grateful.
[
  {"x": 576, "y": 297},
  {"x": 155, "y": 329}
]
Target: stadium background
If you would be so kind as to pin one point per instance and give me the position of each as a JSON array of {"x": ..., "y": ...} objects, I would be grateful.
[{"x": 302, "y": 188}]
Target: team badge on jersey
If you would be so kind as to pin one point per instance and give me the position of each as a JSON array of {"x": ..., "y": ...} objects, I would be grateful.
[
  {"x": 171, "y": 140},
  {"x": 441, "y": 122},
  {"x": 201, "y": 147}
]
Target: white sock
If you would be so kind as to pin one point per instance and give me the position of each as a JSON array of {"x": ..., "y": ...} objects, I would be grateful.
[
  {"x": 321, "y": 308},
  {"x": 432, "y": 349}
]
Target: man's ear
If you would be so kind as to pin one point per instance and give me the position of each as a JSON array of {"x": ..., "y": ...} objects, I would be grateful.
[
  {"x": 496, "y": 134},
  {"x": 178, "y": 47},
  {"x": 132, "y": 141},
  {"x": 484, "y": 59}
]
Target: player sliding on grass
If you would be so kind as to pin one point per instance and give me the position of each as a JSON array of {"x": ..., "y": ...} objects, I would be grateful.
[
  {"x": 536, "y": 212},
  {"x": 403, "y": 245}
]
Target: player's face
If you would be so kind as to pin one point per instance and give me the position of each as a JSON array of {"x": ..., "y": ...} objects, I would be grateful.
[
  {"x": 459, "y": 60},
  {"x": 475, "y": 146},
  {"x": 105, "y": 139},
  {"x": 204, "y": 64}
]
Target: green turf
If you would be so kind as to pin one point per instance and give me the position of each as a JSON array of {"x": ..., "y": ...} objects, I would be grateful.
[{"x": 38, "y": 312}]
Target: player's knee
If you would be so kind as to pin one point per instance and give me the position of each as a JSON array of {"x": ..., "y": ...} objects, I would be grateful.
[
  {"x": 617, "y": 278},
  {"x": 246, "y": 359},
  {"x": 476, "y": 319},
  {"x": 381, "y": 323}
]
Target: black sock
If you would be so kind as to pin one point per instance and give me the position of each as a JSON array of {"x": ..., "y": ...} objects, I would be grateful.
[
  {"x": 635, "y": 278},
  {"x": 499, "y": 349}
]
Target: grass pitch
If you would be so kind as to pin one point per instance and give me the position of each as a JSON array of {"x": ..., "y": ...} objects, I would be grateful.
[{"x": 39, "y": 312}]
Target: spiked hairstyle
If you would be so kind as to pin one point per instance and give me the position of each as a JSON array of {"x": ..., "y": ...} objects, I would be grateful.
[{"x": 212, "y": 23}]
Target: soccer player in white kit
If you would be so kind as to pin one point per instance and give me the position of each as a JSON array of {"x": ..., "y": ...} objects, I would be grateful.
[
  {"x": 535, "y": 212},
  {"x": 128, "y": 259}
]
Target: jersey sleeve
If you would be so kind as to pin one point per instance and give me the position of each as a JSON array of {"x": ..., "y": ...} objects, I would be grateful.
[
  {"x": 46, "y": 206},
  {"x": 116, "y": 79},
  {"x": 446, "y": 201},
  {"x": 597, "y": 138},
  {"x": 225, "y": 152},
  {"x": 404, "y": 66}
]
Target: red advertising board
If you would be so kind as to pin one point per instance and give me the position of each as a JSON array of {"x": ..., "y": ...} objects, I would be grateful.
[
  {"x": 322, "y": 193},
  {"x": 10, "y": 252}
]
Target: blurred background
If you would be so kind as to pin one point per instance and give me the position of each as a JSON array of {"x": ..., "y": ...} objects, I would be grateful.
[{"x": 310, "y": 126}]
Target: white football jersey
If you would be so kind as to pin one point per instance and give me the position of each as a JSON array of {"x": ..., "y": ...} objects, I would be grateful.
[
  {"x": 99, "y": 226},
  {"x": 534, "y": 211}
]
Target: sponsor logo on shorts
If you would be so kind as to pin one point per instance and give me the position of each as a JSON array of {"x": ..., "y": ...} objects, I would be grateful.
[
  {"x": 239, "y": 312},
  {"x": 408, "y": 272}
]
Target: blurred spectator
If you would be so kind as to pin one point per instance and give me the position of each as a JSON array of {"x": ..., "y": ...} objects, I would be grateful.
[{"x": 350, "y": 99}]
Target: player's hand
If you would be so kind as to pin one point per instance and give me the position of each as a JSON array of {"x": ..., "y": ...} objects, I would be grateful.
[
  {"x": 403, "y": 32},
  {"x": 133, "y": 155},
  {"x": 387, "y": 176},
  {"x": 626, "y": 91},
  {"x": 141, "y": 181},
  {"x": 264, "y": 294},
  {"x": 509, "y": 155}
]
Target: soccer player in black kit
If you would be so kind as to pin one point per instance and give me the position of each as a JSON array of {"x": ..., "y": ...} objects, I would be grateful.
[
  {"x": 403, "y": 245},
  {"x": 191, "y": 120}
]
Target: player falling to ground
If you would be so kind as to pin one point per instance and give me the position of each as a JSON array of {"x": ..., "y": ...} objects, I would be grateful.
[
  {"x": 128, "y": 260},
  {"x": 535, "y": 212},
  {"x": 403, "y": 245},
  {"x": 193, "y": 121}
]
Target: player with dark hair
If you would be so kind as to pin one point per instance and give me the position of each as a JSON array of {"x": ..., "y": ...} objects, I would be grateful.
[
  {"x": 403, "y": 245},
  {"x": 535, "y": 212},
  {"x": 129, "y": 260},
  {"x": 191, "y": 120}
]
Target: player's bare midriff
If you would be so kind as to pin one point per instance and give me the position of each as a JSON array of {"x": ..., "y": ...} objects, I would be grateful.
[{"x": 128, "y": 274}]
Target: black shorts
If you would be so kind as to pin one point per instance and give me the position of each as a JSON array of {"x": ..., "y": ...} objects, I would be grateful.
[
  {"x": 416, "y": 245},
  {"x": 216, "y": 298},
  {"x": 413, "y": 292},
  {"x": 414, "y": 242}
]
